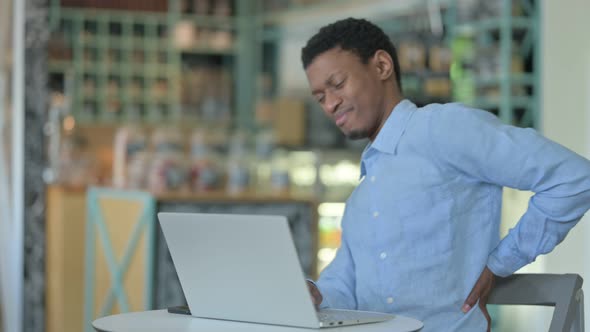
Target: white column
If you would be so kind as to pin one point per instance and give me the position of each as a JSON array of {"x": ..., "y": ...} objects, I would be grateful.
[
  {"x": 5, "y": 212},
  {"x": 5, "y": 206},
  {"x": 586, "y": 245},
  {"x": 14, "y": 288}
]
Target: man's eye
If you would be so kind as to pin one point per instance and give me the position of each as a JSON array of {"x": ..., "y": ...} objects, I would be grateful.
[
  {"x": 339, "y": 85},
  {"x": 321, "y": 99}
]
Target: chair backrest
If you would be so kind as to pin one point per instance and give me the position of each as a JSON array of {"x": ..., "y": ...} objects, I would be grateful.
[{"x": 563, "y": 291}]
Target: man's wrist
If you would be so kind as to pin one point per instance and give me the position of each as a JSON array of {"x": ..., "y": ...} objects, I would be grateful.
[{"x": 503, "y": 266}]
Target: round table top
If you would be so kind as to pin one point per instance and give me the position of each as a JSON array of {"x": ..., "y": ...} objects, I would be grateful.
[{"x": 162, "y": 320}]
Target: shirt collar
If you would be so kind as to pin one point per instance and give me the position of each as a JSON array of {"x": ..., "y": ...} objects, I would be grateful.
[{"x": 392, "y": 130}]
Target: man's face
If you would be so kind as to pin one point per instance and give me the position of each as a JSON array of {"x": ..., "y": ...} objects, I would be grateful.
[{"x": 349, "y": 92}]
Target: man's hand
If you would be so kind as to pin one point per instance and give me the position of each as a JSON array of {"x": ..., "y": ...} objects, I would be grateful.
[
  {"x": 481, "y": 291},
  {"x": 316, "y": 296}
]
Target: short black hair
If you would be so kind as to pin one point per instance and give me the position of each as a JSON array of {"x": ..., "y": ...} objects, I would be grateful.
[{"x": 356, "y": 35}]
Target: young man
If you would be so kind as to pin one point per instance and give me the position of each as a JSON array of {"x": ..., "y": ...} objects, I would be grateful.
[{"x": 420, "y": 233}]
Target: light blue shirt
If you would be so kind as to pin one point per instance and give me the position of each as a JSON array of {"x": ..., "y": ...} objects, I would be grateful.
[{"x": 424, "y": 221}]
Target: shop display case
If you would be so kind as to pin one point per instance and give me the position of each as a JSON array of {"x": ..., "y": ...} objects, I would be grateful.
[{"x": 166, "y": 63}]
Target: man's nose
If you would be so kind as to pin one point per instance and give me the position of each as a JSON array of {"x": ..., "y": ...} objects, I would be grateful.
[{"x": 332, "y": 102}]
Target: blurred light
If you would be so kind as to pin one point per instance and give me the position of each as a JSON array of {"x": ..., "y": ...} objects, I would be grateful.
[
  {"x": 330, "y": 224},
  {"x": 326, "y": 255},
  {"x": 303, "y": 156},
  {"x": 331, "y": 209},
  {"x": 303, "y": 175},
  {"x": 69, "y": 123},
  {"x": 303, "y": 171},
  {"x": 343, "y": 173}
]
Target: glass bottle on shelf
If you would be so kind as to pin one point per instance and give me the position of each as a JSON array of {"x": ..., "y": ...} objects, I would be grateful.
[
  {"x": 129, "y": 141},
  {"x": 264, "y": 145},
  {"x": 279, "y": 178},
  {"x": 204, "y": 168},
  {"x": 168, "y": 171},
  {"x": 138, "y": 170},
  {"x": 77, "y": 166},
  {"x": 238, "y": 165}
]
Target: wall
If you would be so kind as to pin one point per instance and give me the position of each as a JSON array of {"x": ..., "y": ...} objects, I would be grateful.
[{"x": 565, "y": 111}]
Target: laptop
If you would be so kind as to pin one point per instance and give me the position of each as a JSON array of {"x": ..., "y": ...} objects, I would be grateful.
[{"x": 245, "y": 268}]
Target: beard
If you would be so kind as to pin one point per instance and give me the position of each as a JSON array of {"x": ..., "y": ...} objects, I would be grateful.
[{"x": 357, "y": 134}]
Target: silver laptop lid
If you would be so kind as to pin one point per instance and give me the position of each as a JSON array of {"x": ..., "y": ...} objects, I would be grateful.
[{"x": 239, "y": 267}]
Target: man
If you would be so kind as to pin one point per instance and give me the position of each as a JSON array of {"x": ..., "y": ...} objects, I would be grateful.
[{"x": 420, "y": 233}]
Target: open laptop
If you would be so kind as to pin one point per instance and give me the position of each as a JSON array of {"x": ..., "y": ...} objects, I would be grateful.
[{"x": 245, "y": 268}]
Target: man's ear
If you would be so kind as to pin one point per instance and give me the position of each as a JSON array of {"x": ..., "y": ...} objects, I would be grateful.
[{"x": 383, "y": 64}]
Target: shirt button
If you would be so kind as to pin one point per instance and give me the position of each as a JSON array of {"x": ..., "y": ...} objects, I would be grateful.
[
  {"x": 372, "y": 178},
  {"x": 390, "y": 300},
  {"x": 375, "y": 214},
  {"x": 383, "y": 255}
]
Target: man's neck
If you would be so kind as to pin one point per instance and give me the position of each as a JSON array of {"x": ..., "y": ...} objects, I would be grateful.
[{"x": 390, "y": 103}]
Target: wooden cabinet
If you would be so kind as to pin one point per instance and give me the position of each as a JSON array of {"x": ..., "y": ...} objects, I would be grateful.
[
  {"x": 65, "y": 229},
  {"x": 66, "y": 248}
]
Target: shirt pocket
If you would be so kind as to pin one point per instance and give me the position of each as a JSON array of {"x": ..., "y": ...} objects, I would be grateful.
[{"x": 426, "y": 223}]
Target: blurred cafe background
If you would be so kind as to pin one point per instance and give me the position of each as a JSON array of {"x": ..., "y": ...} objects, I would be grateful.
[{"x": 114, "y": 110}]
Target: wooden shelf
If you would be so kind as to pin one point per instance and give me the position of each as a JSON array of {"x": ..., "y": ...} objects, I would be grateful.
[
  {"x": 221, "y": 195},
  {"x": 249, "y": 196}
]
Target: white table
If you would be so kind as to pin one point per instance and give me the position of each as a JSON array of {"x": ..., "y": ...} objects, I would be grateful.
[{"x": 161, "y": 320}]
